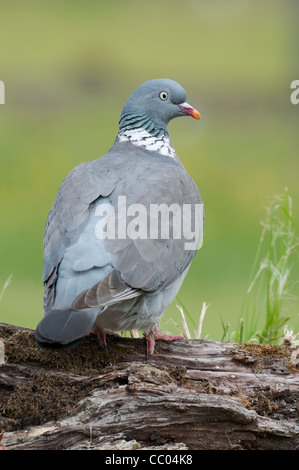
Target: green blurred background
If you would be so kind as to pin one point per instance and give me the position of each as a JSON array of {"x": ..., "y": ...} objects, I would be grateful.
[{"x": 68, "y": 68}]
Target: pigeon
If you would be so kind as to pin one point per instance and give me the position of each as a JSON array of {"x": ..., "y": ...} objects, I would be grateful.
[{"x": 123, "y": 230}]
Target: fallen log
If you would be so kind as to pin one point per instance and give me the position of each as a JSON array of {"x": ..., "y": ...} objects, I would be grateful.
[{"x": 191, "y": 394}]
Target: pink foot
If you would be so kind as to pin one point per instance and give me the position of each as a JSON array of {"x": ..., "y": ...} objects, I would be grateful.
[
  {"x": 101, "y": 335},
  {"x": 156, "y": 334}
]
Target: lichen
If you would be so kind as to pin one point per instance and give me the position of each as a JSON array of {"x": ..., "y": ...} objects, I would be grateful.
[
  {"x": 261, "y": 356},
  {"x": 21, "y": 347},
  {"x": 259, "y": 402},
  {"x": 53, "y": 387}
]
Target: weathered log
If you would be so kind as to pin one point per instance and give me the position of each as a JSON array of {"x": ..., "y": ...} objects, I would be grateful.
[{"x": 191, "y": 394}]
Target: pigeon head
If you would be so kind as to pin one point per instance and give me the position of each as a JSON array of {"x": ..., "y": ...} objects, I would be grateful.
[{"x": 153, "y": 104}]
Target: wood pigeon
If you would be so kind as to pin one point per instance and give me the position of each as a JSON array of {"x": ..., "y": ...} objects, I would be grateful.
[{"x": 123, "y": 229}]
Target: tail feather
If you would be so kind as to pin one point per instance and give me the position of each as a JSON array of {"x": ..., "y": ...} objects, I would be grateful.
[{"x": 62, "y": 329}]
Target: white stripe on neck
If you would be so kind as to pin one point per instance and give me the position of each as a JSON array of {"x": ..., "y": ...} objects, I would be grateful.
[{"x": 141, "y": 138}]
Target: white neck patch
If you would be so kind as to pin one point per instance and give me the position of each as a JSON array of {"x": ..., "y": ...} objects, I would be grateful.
[{"x": 141, "y": 138}]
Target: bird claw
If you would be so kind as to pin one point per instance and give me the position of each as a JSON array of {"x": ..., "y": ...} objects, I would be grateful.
[
  {"x": 156, "y": 334},
  {"x": 151, "y": 338},
  {"x": 102, "y": 334}
]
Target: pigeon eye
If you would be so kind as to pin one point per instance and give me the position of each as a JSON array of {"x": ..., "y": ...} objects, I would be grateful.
[{"x": 163, "y": 95}]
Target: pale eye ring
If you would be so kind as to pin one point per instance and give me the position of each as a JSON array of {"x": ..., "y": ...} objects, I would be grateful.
[{"x": 163, "y": 95}]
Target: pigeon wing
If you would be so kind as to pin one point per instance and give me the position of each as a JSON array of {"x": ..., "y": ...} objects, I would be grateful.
[
  {"x": 151, "y": 264},
  {"x": 68, "y": 217}
]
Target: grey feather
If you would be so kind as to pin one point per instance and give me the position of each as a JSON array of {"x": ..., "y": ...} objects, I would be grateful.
[{"x": 119, "y": 283}]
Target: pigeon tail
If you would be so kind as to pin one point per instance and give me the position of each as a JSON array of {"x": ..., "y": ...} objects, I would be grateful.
[{"x": 62, "y": 329}]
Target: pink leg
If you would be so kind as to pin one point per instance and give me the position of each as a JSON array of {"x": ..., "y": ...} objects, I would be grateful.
[
  {"x": 156, "y": 334},
  {"x": 101, "y": 335}
]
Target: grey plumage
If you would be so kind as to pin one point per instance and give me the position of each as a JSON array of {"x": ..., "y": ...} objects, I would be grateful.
[{"x": 120, "y": 283}]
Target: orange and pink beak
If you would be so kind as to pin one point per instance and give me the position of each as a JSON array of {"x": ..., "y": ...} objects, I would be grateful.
[{"x": 189, "y": 110}]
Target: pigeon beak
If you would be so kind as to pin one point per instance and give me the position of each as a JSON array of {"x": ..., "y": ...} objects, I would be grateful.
[{"x": 189, "y": 111}]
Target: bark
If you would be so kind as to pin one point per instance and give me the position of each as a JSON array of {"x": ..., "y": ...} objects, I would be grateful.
[{"x": 191, "y": 394}]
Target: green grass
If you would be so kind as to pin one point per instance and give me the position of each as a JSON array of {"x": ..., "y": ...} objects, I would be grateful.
[
  {"x": 270, "y": 288},
  {"x": 264, "y": 317},
  {"x": 5, "y": 286}
]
